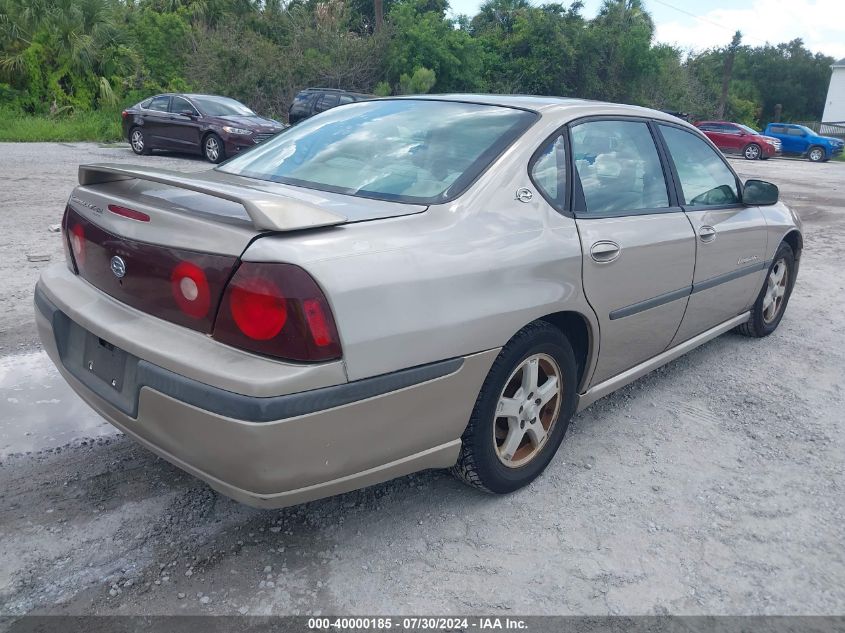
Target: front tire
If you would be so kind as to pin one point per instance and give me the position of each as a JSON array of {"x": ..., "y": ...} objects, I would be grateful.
[
  {"x": 816, "y": 154},
  {"x": 138, "y": 142},
  {"x": 774, "y": 295},
  {"x": 212, "y": 148},
  {"x": 522, "y": 411},
  {"x": 752, "y": 151}
]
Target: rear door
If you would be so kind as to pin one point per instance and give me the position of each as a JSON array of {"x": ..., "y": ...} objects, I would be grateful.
[
  {"x": 638, "y": 246},
  {"x": 732, "y": 139},
  {"x": 716, "y": 134},
  {"x": 327, "y": 101},
  {"x": 157, "y": 121},
  {"x": 730, "y": 237}
]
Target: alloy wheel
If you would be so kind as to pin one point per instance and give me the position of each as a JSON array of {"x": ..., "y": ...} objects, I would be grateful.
[
  {"x": 527, "y": 410},
  {"x": 212, "y": 149},
  {"x": 752, "y": 152},
  {"x": 776, "y": 284},
  {"x": 816, "y": 154},
  {"x": 137, "y": 141}
]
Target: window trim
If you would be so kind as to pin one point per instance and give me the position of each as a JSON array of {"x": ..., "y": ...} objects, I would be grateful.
[
  {"x": 679, "y": 191},
  {"x": 188, "y": 101},
  {"x": 166, "y": 110},
  {"x": 565, "y": 209},
  {"x": 579, "y": 201}
]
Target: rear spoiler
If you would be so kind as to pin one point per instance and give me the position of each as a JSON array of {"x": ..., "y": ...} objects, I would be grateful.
[{"x": 268, "y": 211}]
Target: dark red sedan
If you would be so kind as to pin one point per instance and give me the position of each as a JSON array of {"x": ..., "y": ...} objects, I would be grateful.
[
  {"x": 216, "y": 127},
  {"x": 735, "y": 138}
]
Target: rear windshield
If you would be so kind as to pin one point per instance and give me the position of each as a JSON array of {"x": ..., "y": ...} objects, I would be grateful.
[{"x": 420, "y": 151}]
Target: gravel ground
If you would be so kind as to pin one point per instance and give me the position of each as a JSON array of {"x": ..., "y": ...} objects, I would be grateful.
[{"x": 712, "y": 486}]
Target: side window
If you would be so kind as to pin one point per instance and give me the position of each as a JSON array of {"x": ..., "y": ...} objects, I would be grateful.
[
  {"x": 777, "y": 129},
  {"x": 548, "y": 171},
  {"x": 794, "y": 131},
  {"x": 619, "y": 167},
  {"x": 705, "y": 178},
  {"x": 346, "y": 99},
  {"x": 325, "y": 102},
  {"x": 160, "y": 104},
  {"x": 179, "y": 105},
  {"x": 145, "y": 103}
]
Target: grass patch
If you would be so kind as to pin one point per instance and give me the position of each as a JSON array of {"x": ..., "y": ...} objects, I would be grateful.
[{"x": 99, "y": 126}]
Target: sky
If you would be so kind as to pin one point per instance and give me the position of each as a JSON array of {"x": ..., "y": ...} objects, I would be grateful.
[{"x": 697, "y": 25}]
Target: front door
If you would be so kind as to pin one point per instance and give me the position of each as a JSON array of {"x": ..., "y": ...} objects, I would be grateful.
[
  {"x": 730, "y": 237},
  {"x": 184, "y": 130},
  {"x": 638, "y": 246}
]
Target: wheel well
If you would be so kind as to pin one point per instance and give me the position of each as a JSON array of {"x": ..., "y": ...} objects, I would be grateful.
[
  {"x": 576, "y": 328},
  {"x": 796, "y": 243}
]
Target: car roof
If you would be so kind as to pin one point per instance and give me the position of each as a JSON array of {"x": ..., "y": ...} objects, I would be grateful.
[{"x": 558, "y": 105}]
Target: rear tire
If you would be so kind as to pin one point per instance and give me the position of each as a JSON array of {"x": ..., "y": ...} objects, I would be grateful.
[
  {"x": 752, "y": 151},
  {"x": 816, "y": 154},
  {"x": 138, "y": 142},
  {"x": 213, "y": 149},
  {"x": 512, "y": 436},
  {"x": 771, "y": 303}
]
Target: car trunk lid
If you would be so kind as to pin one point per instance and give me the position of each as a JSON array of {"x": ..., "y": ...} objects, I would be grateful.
[{"x": 167, "y": 243}]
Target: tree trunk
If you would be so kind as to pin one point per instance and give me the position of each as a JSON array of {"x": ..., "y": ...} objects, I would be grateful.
[
  {"x": 726, "y": 74},
  {"x": 378, "y": 6}
]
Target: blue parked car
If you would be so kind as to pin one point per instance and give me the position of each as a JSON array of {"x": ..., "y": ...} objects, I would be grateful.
[{"x": 800, "y": 140}]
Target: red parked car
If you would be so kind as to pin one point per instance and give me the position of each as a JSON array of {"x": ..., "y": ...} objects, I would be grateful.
[{"x": 735, "y": 138}]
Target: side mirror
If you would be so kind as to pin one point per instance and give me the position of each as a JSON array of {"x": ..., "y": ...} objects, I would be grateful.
[{"x": 759, "y": 193}]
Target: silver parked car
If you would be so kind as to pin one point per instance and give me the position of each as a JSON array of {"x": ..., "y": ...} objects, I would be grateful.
[{"x": 402, "y": 284}]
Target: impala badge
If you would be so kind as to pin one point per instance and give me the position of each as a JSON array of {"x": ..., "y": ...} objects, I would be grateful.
[
  {"x": 746, "y": 260},
  {"x": 118, "y": 266}
]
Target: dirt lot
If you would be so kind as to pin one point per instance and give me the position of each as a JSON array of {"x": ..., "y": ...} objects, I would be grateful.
[{"x": 712, "y": 486}]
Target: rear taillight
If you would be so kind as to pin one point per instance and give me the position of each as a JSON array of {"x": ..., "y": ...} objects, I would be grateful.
[
  {"x": 189, "y": 286},
  {"x": 277, "y": 310},
  {"x": 124, "y": 114},
  {"x": 77, "y": 244}
]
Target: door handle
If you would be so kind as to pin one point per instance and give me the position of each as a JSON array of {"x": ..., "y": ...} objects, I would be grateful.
[
  {"x": 605, "y": 251},
  {"x": 707, "y": 233}
]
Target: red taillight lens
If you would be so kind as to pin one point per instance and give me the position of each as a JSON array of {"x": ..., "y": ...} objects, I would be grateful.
[
  {"x": 190, "y": 290},
  {"x": 258, "y": 307},
  {"x": 317, "y": 322},
  {"x": 124, "y": 114},
  {"x": 76, "y": 237},
  {"x": 277, "y": 310}
]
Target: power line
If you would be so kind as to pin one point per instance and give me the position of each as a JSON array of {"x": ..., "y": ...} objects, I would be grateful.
[{"x": 707, "y": 21}]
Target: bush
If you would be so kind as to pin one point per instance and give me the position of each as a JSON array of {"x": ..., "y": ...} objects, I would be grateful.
[{"x": 100, "y": 126}]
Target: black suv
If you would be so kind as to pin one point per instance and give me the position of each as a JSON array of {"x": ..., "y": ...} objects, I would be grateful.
[{"x": 312, "y": 101}]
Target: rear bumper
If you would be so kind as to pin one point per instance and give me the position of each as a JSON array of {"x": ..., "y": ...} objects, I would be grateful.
[{"x": 278, "y": 450}]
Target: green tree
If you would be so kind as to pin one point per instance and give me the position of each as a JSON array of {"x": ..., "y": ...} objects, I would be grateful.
[{"x": 427, "y": 39}]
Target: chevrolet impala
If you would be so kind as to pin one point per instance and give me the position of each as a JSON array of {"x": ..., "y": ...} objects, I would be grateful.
[{"x": 406, "y": 283}]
